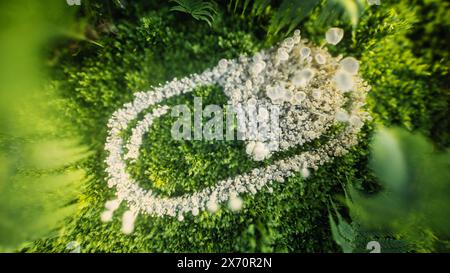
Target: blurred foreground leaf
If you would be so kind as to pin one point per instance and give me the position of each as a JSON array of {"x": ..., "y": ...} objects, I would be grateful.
[
  {"x": 39, "y": 182},
  {"x": 413, "y": 206}
]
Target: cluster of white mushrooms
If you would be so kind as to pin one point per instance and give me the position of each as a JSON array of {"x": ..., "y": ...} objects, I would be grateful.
[
  {"x": 314, "y": 91},
  {"x": 306, "y": 82}
]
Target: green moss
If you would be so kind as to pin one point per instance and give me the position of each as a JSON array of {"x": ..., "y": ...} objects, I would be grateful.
[{"x": 157, "y": 46}]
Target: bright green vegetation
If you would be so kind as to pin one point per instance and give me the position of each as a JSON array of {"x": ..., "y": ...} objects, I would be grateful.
[{"x": 401, "y": 55}]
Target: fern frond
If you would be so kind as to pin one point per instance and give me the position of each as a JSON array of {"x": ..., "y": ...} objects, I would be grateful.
[{"x": 198, "y": 9}]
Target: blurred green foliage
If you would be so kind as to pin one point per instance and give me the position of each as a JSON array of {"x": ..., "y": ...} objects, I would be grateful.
[
  {"x": 39, "y": 182},
  {"x": 412, "y": 209},
  {"x": 280, "y": 18},
  {"x": 115, "y": 48}
]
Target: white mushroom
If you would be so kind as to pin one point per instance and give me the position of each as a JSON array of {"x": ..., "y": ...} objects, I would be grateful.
[
  {"x": 235, "y": 203},
  {"x": 302, "y": 77},
  {"x": 350, "y": 65},
  {"x": 128, "y": 219},
  {"x": 334, "y": 35},
  {"x": 320, "y": 58},
  {"x": 373, "y": 2},
  {"x": 260, "y": 151},
  {"x": 343, "y": 81},
  {"x": 282, "y": 54},
  {"x": 342, "y": 115},
  {"x": 305, "y": 52}
]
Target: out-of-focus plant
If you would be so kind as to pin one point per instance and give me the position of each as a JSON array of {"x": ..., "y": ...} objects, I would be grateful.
[
  {"x": 413, "y": 206},
  {"x": 286, "y": 15},
  {"x": 38, "y": 179},
  {"x": 199, "y": 9},
  {"x": 290, "y": 14},
  {"x": 255, "y": 8},
  {"x": 348, "y": 10}
]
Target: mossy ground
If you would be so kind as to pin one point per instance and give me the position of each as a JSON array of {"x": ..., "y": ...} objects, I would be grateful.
[{"x": 156, "y": 45}]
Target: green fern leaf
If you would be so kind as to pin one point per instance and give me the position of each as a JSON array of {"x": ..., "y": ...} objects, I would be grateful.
[{"x": 199, "y": 10}]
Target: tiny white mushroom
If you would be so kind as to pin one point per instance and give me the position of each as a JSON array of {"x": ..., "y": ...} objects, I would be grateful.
[
  {"x": 343, "y": 81},
  {"x": 248, "y": 84},
  {"x": 106, "y": 216},
  {"x": 195, "y": 211},
  {"x": 112, "y": 205},
  {"x": 263, "y": 114},
  {"x": 260, "y": 151},
  {"x": 287, "y": 96},
  {"x": 270, "y": 92},
  {"x": 249, "y": 148},
  {"x": 276, "y": 93},
  {"x": 252, "y": 102},
  {"x": 128, "y": 219},
  {"x": 316, "y": 94},
  {"x": 235, "y": 203},
  {"x": 289, "y": 42},
  {"x": 212, "y": 206},
  {"x": 258, "y": 67},
  {"x": 334, "y": 35},
  {"x": 320, "y": 58},
  {"x": 302, "y": 77},
  {"x": 282, "y": 54},
  {"x": 305, "y": 173},
  {"x": 223, "y": 63},
  {"x": 305, "y": 52},
  {"x": 355, "y": 121},
  {"x": 257, "y": 57},
  {"x": 300, "y": 96},
  {"x": 350, "y": 65},
  {"x": 373, "y": 2},
  {"x": 342, "y": 115}
]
